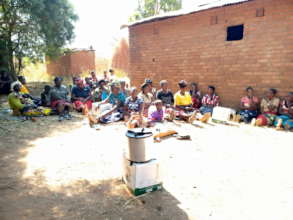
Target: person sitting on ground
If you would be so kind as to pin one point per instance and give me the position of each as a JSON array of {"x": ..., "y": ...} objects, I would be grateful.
[
  {"x": 153, "y": 90},
  {"x": 209, "y": 101},
  {"x": 147, "y": 97},
  {"x": 134, "y": 106},
  {"x": 26, "y": 93},
  {"x": 5, "y": 82},
  {"x": 249, "y": 105},
  {"x": 183, "y": 102},
  {"x": 17, "y": 101},
  {"x": 24, "y": 89},
  {"x": 123, "y": 88},
  {"x": 90, "y": 83},
  {"x": 101, "y": 93},
  {"x": 167, "y": 98},
  {"x": 111, "y": 109},
  {"x": 165, "y": 95},
  {"x": 105, "y": 76},
  {"x": 46, "y": 96},
  {"x": 156, "y": 114},
  {"x": 94, "y": 78},
  {"x": 81, "y": 97},
  {"x": 269, "y": 108},
  {"x": 112, "y": 76},
  {"x": 285, "y": 119},
  {"x": 60, "y": 99},
  {"x": 195, "y": 95}
]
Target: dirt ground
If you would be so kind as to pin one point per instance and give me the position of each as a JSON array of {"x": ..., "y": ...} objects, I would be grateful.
[{"x": 66, "y": 170}]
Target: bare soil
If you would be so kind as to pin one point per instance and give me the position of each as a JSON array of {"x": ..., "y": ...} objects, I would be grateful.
[{"x": 52, "y": 170}]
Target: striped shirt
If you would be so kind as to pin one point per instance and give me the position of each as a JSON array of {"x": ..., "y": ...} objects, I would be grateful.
[{"x": 210, "y": 100}]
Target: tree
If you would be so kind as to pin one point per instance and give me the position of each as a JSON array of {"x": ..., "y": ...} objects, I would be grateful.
[
  {"x": 34, "y": 28},
  {"x": 148, "y": 8}
]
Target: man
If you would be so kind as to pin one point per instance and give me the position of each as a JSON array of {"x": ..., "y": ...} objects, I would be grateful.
[
  {"x": 60, "y": 99},
  {"x": 165, "y": 95},
  {"x": 81, "y": 96}
]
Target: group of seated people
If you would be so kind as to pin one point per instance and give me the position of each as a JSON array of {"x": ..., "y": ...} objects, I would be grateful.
[{"x": 107, "y": 100}]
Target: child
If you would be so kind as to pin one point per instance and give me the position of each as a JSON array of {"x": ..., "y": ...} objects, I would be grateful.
[
  {"x": 46, "y": 96},
  {"x": 158, "y": 114}
]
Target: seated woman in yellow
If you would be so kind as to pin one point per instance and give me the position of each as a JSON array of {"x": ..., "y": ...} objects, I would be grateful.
[
  {"x": 23, "y": 106},
  {"x": 183, "y": 102},
  {"x": 16, "y": 100}
]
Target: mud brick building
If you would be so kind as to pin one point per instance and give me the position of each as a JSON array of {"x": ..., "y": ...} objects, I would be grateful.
[
  {"x": 73, "y": 63},
  {"x": 230, "y": 44}
]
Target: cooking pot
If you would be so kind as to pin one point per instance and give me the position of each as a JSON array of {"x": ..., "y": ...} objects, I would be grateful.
[{"x": 140, "y": 145}]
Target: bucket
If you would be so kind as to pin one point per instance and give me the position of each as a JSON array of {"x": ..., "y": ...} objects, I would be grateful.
[{"x": 139, "y": 145}]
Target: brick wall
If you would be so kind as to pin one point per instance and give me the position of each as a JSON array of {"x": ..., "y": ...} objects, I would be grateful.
[
  {"x": 194, "y": 47},
  {"x": 74, "y": 63}
]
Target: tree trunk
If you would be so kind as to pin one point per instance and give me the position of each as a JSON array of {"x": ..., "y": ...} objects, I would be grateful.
[{"x": 10, "y": 60}]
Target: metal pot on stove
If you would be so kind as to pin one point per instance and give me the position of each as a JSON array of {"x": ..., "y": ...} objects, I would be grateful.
[{"x": 140, "y": 145}]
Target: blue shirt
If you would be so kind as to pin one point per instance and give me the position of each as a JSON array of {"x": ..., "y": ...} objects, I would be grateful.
[
  {"x": 104, "y": 95},
  {"x": 117, "y": 99},
  {"x": 81, "y": 92}
]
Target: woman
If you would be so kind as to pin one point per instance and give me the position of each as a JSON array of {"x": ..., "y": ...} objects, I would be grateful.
[
  {"x": 134, "y": 107},
  {"x": 147, "y": 97},
  {"x": 249, "y": 105},
  {"x": 81, "y": 97},
  {"x": 285, "y": 119},
  {"x": 183, "y": 102},
  {"x": 195, "y": 95},
  {"x": 209, "y": 101},
  {"x": 269, "y": 108},
  {"x": 111, "y": 109}
]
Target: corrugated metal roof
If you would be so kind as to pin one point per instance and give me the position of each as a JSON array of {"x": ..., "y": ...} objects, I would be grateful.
[{"x": 202, "y": 7}]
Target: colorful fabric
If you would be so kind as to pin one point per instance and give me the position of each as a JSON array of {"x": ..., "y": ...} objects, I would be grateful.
[
  {"x": 78, "y": 92},
  {"x": 59, "y": 102},
  {"x": 247, "y": 115},
  {"x": 247, "y": 102},
  {"x": 182, "y": 100},
  {"x": 265, "y": 103},
  {"x": 14, "y": 100},
  {"x": 267, "y": 119},
  {"x": 118, "y": 99},
  {"x": 286, "y": 121},
  {"x": 156, "y": 115},
  {"x": 134, "y": 105},
  {"x": 78, "y": 104},
  {"x": 213, "y": 100},
  {"x": 24, "y": 89},
  {"x": 166, "y": 97}
]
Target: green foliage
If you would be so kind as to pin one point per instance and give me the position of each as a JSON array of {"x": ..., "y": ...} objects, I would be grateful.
[
  {"x": 148, "y": 8},
  {"x": 32, "y": 28}
]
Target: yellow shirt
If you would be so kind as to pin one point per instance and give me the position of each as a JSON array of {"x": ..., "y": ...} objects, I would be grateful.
[
  {"x": 183, "y": 100},
  {"x": 15, "y": 102},
  {"x": 24, "y": 89}
]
